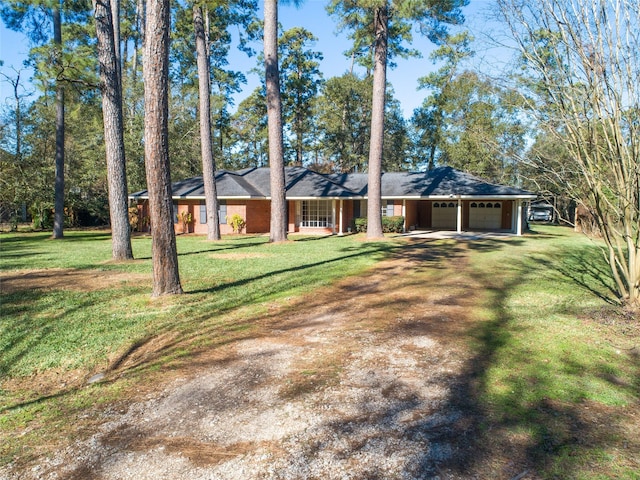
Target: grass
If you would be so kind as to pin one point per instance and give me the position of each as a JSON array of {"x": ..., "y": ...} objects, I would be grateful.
[
  {"x": 555, "y": 376},
  {"x": 66, "y": 329},
  {"x": 559, "y": 359}
]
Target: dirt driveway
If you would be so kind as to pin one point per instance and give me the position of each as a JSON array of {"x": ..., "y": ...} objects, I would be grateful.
[{"x": 367, "y": 379}]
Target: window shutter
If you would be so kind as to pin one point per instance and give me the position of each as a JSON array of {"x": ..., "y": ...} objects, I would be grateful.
[
  {"x": 222, "y": 212},
  {"x": 203, "y": 212}
]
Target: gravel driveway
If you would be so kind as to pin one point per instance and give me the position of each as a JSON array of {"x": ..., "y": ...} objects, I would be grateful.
[{"x": 365, "y": 380}]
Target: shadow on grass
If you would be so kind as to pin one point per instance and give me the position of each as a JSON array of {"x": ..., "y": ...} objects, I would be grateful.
[
  {"x": 19, "y": 251},
  {"x": 490, "y": 245},
  {"x": 537, "y": 419},
  {"x": 16, "y": 251},
  {"x": 25, "y": 329},
  {"x": 586, "y": 268},
  {"x": 347, "y": 253},
  {"x": 212, "y": 246},
  {"x": 82, "y": 236},
  {"x": 21, "y": 328},
  {"x": 71, "y": 236}
]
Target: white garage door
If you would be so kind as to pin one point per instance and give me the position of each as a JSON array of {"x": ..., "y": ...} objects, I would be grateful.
[
  {"x": 444, "y": 215},
  {"x": 485, "y": 215}
]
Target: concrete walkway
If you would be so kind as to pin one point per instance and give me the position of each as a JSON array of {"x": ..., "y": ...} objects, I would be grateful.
[{"x": 439, "y": 234}]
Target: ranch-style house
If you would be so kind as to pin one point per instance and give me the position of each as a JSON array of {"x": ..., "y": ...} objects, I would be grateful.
[{"x": 439, "y": 199}]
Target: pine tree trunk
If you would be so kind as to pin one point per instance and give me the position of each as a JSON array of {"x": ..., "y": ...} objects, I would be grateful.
[
  {"x": 113, "y": 131},
  {"x": 299, "y": 139},
  {"x": 138, "y": 40},
  {"x": 166, "y": 278},
  {"x": 208, "y": 163},
  {"x": 374, "y": 192},
  {"x": 115, "y": 23},
  {"x": 58, "y": 205},
  {"x": 278, "y": 228}
]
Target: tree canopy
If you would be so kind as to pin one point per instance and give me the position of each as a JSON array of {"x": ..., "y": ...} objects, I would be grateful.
[{"x": 578, "y": 81}]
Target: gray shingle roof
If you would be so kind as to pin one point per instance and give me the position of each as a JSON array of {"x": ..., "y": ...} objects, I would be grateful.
[
  {"x": 303, "y": 183},
  {"x": 439, "y": 182},
  {"x": 442, "y": 182}
]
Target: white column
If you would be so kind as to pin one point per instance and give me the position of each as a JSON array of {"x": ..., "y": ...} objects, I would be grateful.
[
  {"x": 333, "y": 216},
  {"x": 340, "y": 232},
  {"x": 404, "y": 214},
  {"x": 459, "y": 219},
  {"x": 519, "y": 218}
]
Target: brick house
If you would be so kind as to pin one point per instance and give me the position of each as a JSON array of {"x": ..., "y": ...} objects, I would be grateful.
[{"x": 440, "y": 199}]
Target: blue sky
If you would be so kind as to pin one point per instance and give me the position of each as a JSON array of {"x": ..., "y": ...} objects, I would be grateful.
[{"x": 312, "y": 16}]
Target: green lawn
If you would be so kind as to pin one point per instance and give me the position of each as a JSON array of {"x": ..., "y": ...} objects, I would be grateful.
[
  {"x": 554, "y": 355},
  {"x": 68, "y": 329},
  {"x": 559, "y": 369}
]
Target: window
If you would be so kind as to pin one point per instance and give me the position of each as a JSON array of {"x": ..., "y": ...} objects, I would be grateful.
[
  {"x": 317, "y": 213},
  {"x": 387, "y": 210},
  {"x": 222, "y": 212},
  {"x": 175, "y": 211},
  {"x": 487, "y": 205}
]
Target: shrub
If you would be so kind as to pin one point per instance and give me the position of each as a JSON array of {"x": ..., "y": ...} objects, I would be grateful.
[
  {"x": 389, "y": 224},
  {"x": 185, "y": 218},
  {"x": 41, "y": 215},
  {"x": 133, "y": 218},
  {"x": 360, "y": 224},
  {"x": 13, "y": 223},
  {"x": 393, "y": 224},
  {"x": 236, "y": 222}
]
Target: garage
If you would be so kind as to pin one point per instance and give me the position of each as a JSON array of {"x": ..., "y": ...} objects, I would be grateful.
[
  {"x": 485, "y": 215},
  {"x": 444, "y": 215}
]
